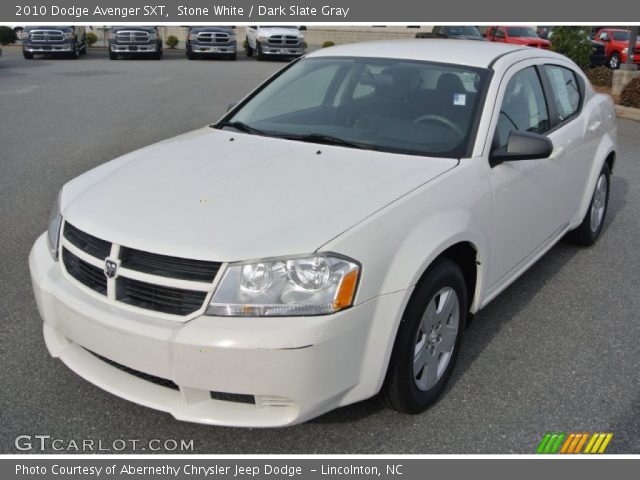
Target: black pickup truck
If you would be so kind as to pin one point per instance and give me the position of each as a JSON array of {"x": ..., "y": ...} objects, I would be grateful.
[
  {"x": 458, "y": 32},
  {"x": 64, "y": 40},
  {"x": 211, "y": 41},
  {"x": 135, "y": 40}
]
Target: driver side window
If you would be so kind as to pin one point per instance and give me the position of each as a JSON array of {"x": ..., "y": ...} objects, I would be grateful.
[{"x": 523, "y": 107}]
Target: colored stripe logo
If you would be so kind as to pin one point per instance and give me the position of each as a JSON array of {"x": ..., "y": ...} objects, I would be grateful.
[{"x": 554, "y": 442}]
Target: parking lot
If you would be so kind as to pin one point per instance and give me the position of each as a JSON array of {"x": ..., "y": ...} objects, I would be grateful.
[{"x": 558, "y": 351}]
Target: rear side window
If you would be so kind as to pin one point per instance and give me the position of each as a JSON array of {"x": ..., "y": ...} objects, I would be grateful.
[
  {"x": 566, "y": 91},
  {"x": 523, "y": 107}
]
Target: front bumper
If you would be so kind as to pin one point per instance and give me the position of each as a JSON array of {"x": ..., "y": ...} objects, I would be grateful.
[
  {"x": 283, "y": 51},
  {"x": 264, "y": 372},
  {"x": 212, "y": 49},
  {"x": 48, "y": 48},
  {"x": 118, "y": 48}
]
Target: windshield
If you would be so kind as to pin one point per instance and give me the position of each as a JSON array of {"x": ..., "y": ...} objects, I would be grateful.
[
  {"x": 522, "y": 32},
  {"x": 389, "y": 105},
  {"x": 463, "y": 30}
]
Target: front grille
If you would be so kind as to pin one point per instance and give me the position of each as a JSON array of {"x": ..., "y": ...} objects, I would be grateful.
[
  {"x": 46, "y": 35},
  {"x": 132, "y": 36},
  {"x": 163, "y": 382},
  {"x": 87, "y": 243},
  {"x": 158, "y": 298},
  {"x": 213, "y": 37},
  {"x": 233, "y": 397},
  {"x": 157, "y": 293},
  {"x": 85, "y": 273},
  {"x": 279, "y": 40},
  {"x": 166, "y": 266}
]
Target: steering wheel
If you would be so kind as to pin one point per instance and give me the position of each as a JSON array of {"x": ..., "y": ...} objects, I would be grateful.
[{"x": 433, "y": 117}]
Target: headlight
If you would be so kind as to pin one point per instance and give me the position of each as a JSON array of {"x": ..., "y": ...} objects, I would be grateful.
[
  {"x": 53, "y": 232},
  {"x": 316, "y": 284},
  {"x": 69, "y": 35},
  {"x": 153, "y": 36},
  {"x": 262, "y": 38},
  {"x": 625, "y": 50}
]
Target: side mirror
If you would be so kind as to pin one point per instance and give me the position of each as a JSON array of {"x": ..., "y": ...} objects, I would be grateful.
[
  {"x": 522, "y": 146},
  {"x": 302, "y": 28},
  {"x": 231, "y": 106}
]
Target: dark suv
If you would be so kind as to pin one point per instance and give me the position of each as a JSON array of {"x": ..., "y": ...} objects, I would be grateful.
[
  {"x": 135, "y": 40},
  {"x": 58, "y": 39},
  {"x": 211, "y": 41}
]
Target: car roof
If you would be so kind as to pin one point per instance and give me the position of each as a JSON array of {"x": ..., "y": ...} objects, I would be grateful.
[{"x": 459, "y": 52}]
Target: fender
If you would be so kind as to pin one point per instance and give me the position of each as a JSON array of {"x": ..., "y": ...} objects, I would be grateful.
[{"x": 401, "y": 250}]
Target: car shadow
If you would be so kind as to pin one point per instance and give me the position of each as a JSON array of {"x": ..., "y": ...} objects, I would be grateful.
[{"x": 488, "y": 323}]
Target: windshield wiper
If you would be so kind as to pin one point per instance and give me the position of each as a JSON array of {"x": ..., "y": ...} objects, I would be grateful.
[
  {"x": 241, "y": 126},
  {"x": 330, "y": 140}
]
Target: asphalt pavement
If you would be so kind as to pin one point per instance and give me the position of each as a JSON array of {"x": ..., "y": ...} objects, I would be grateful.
[{"x": 558, "y": 351}]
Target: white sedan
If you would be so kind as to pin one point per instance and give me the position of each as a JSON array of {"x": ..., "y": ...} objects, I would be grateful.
[{"x": 330, "y": 236}]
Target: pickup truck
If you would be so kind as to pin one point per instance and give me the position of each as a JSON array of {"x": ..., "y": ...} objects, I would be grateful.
[
  {"x": 64, "y": 40},
  {"x": 274, "y": 41},
  {"x": 517, "y": 35},
  {"x": 211, "y": 41},
  {"x": 458, "y": 32},
  {"x": 616, "y": 44},
  {"x": 135, "y": 40}
]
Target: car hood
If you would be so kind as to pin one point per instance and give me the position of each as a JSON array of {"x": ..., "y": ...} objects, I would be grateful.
[
  {"x": 224, "y": 196},
  {"x": 268, "y": 31}
]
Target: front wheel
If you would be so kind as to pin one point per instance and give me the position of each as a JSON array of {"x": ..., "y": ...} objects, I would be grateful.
[
  {"x": 113, "y": 56},
  {"x": 428, "y": 340},
  {"x": 249, "y": 49},
  {"x": 27, "y": 55},
  {"x": 75, "y": 54},
  {"x": 614, "y": 61},
  {"x": 589, "y": 230}
]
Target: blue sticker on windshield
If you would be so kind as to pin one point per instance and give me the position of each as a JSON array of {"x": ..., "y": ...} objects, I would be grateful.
[{"x": 459, "y": 99}]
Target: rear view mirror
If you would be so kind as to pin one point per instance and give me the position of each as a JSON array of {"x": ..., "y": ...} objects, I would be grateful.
[{"x": 522, "y": 146}]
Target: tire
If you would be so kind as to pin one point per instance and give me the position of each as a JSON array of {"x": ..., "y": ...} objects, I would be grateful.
[
  {"x": 233, "y": 56},
  {"x": 191, "y": 55},
  {"x": 27, "y": 55},
  {"x": 76, "y": 52},
  {"x": 258, "y": 54},
  {"x": 439, "y": 305},
  {"x": 249, "y": 49},
  {"x": 589, "y": 230},
  {"x": 157, "y": 56},
  {"x": 113, "y": 56},
  {"x": 84, "y": 49},
  {"x": 614, "y": 61}
]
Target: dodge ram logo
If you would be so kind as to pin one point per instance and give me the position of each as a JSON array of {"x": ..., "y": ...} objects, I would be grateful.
[{"x": 110, "y": 268}]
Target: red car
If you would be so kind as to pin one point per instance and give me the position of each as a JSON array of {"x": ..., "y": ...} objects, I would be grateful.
[
  {"x": 518, "y": 35},
  {"x": 616, "y": 44}
]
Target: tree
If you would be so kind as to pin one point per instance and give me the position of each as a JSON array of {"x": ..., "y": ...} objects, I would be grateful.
[
  {"x": 574, "y": 43},
  {"x": 7, "y": 36}
]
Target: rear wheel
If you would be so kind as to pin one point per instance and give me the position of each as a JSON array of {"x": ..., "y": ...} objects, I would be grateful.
[
  {"x": 428, "y": 340},
  {"x": 589, "y": 230}
]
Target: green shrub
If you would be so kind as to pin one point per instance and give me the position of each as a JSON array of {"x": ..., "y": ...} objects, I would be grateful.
[
  {"x": 600, "y": 76},
  {"x": 7, "y": 35},
  {"x": 630, "y": 96},
  {"x": 328, "y": 43},
  {"x": 245, "y": 44},
  {"x": 91, "y": 38},
  {"x": 172, "y": 41},
  {"x": 574, "y": 43}
]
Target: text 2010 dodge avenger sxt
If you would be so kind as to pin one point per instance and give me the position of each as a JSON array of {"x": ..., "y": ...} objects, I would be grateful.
[{"x": 328, "y": 238}]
